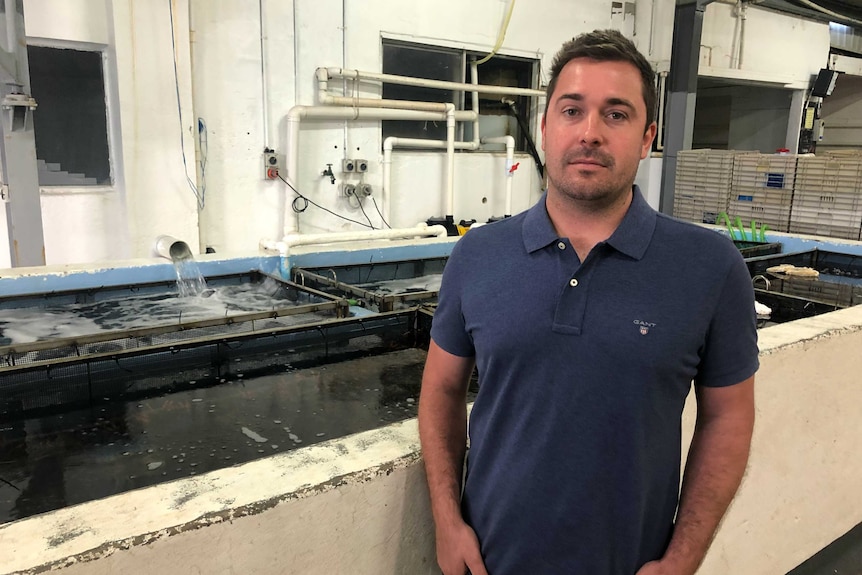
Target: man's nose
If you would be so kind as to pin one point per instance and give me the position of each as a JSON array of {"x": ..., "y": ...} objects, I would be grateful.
[{"x": 592, "y": 130}]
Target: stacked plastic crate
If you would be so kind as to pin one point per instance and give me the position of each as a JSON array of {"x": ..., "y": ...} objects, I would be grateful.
[
  {"x": 762, "y": 189},
  {"x": 702, "y": 184},
  {"x": 828, "y": 196}
]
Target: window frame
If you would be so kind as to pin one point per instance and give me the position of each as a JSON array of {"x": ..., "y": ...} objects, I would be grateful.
[
  {"x": 112, "y": 107},
  {"x": 463, "y": 100}
]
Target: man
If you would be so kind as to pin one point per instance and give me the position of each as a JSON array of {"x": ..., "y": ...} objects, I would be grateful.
[{"x": 588, "y": 317}]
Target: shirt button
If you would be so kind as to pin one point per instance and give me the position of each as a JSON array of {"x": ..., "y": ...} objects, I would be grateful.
[
  {"x": 573, "y": 282},
  {"x": 561, "y": 245}
]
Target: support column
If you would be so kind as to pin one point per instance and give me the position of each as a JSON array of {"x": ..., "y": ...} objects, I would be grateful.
[
  {"x": 18, "y": 174},
  {"x": 682, "y": 92},
  {"x": 794, "y": 121}
]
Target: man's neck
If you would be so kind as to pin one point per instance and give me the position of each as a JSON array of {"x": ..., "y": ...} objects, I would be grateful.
[{"x": 585, "y": 225}]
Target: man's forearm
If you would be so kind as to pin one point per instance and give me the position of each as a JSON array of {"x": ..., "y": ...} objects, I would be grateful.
[
  {"x": 443, "y": 434},
  {"x": 715, "y": 466}
]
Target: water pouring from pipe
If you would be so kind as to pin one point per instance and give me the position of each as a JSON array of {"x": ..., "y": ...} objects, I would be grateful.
[{"x": 190, "y": 280}]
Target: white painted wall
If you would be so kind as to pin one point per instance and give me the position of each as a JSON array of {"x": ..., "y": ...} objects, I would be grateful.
[
  {"x": 219, "y": 68},
  {"x": 758, "y": 118},
  {"x": 70, "y": 20},
  {"x": 776, "y": 48},
  {"x": 158, "y": 199},
  {"x": 842, "y": 115}
]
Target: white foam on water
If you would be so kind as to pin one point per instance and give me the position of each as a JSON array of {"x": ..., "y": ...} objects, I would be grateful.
[
  {"x": 23, "y": 325},
  {"x": 252, "y": 435},
  {"x": 429, "y": 282}
]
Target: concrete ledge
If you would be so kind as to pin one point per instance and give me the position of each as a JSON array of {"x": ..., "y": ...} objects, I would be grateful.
[{"x": 90, "y": 532}]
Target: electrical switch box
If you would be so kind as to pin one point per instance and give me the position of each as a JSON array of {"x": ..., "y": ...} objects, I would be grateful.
[{"x": 270, "y": 164}]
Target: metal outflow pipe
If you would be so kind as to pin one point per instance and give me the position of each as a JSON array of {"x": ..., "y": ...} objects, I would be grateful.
[
  {"x": 421, "y": 230},
  {"x": 510, "y": 162}
]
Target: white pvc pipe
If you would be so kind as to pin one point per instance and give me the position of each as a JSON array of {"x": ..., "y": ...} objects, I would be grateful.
[
  {"x": 392, "y": 142},
  {"x": 173, "y": 249},
  {"x": 295, "y": 239},
  {"x": 450, "y": 161},
  {"x": 426, "y": 83},
  {"x": 474, "y": 76},
  {"x": 510, "y": 161},
  {"x": 326, "y": 99},
  {"x": 264, "y": 99},
  {"x": 299, "y": 113}
]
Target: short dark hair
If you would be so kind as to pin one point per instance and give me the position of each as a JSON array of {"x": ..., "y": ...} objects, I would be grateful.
[{"x": 606, "y": 46}]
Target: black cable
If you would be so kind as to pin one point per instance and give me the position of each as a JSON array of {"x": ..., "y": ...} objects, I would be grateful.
[
  {"x": 382, "y": 219},
  {"x": 513, "y": 111},
  {"x": 307, "y": 201},
  {"x": 199, "y": 195},
  {"x": 358, "y": 201}
]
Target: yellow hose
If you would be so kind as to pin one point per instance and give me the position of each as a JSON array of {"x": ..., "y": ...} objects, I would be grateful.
[{"x": 501, "y": 36}]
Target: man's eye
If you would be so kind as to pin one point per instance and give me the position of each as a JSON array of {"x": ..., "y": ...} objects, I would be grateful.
[
  {"x": 616, "y": 116},
  {"x": 570, "y": 111}
]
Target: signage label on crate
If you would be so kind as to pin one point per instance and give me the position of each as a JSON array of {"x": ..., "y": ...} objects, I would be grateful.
[{"x": 774, "y": 180}]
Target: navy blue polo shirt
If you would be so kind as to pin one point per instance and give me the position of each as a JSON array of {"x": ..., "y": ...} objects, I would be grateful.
[{"x": 584, "y": 367}]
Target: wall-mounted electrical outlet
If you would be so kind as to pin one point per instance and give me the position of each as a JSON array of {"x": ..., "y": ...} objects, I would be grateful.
[
  {"x": 364, "y": 190},
  {"x": 270, "y": 164},
  {"x": 347, "y": 190},
  {"x": 361, "y": 165},
  {"x": 348, "y": 165}
]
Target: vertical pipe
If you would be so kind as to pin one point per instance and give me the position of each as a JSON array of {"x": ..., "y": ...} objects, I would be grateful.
[
  {"x": 263, "y": 91},
  {"x": 387, "y": 176},
  {"x": 474, "y": 75},
  {"x": 450, "y": 160},
  {"x": 292, "y": 165},
  {"x": 510, "y": 162}
]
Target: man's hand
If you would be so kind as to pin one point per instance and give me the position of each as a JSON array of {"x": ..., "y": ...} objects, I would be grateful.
[
  {"x": 660, "y": 568},
  {"x": 458, "y": 550}
]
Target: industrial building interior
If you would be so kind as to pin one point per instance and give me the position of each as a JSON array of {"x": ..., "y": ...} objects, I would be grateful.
[{"x": 225, "y": 227}]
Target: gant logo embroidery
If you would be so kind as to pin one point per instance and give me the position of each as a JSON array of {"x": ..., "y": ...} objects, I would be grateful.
[{"x": 643, "y": 326}]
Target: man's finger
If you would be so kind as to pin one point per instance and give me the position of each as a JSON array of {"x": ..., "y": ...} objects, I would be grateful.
[{"x": 475, "y": 564}]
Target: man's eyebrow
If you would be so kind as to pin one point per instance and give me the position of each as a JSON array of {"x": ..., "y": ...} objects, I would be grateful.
[
  {"x": 609, "y": 102},
  {"x": 620, "y": 102},
  {"x": 575, "y": 96}
]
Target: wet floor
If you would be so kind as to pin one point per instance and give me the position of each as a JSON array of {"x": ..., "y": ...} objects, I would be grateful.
[{"x": 54, "y": 461}]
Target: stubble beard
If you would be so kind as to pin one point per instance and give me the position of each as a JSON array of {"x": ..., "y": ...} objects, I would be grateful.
[{"x": 586, "y": 194}]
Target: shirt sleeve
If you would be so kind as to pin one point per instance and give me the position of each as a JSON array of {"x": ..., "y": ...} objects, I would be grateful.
[
  {"x": 448, "y": 327},
  {"x": 730, "y": 353}
]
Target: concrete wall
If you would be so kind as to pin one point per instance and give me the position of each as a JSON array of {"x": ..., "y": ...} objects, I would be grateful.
[
  {"x": 220, "y": 80},
  {"x": 842, "y": 114},
  {"x": 755, "y": 54},
  {"x": 359, "y": 505}
]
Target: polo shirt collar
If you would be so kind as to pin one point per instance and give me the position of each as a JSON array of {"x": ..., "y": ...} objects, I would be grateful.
[{"x": 631, "y": 238}]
